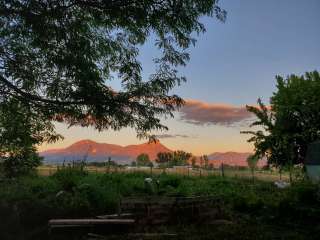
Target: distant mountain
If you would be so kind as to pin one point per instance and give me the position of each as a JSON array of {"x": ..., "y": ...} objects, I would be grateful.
[
  {"x": 98, "y": 152},
  {"x": 232, "y": 159}
]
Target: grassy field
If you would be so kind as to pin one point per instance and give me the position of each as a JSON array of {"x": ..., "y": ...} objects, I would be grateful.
[
  {"x": 264, "y": 175},
  {"x": 255, "y": 210}
]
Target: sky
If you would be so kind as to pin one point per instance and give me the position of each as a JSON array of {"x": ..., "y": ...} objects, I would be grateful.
[{"x": 231, "y": 65}]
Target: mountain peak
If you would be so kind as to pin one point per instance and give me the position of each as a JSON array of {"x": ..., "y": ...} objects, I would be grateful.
[{"x": 84, "y": 142}]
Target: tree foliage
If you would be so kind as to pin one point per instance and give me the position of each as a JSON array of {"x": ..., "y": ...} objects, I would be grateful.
[
  {"x": 252, "y": 161},
  {"x": 143, "y": 160},
  {"x": 180, "y": 158},
  {"x": 193, "y": 161},
  {"x": 20, "y": 133},
  {"x": 61, "y": 57},
  {"x": 163, "y": 158},
  {"x": 176, "y": 158},
  {"x": 291, "y": 122},
  {"x": 204, "y": 161}
]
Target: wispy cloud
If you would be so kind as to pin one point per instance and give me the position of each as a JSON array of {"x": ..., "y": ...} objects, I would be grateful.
[
  {"x": 162, "y": 136},
  {"x": 202, "y": 113}
]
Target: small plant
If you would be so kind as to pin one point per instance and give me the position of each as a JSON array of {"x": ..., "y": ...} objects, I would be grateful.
[
  {"x": 252, "y": 161},
  {"x": 68, "y": 176}
]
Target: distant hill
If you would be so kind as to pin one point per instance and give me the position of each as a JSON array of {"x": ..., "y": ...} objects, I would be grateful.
[
  {"x": 232, "y": 159},
  {"x": 99, "y": 152}
]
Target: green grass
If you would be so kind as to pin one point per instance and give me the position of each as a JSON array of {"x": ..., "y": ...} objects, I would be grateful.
[
  {"x": 258, "y": 210},
  {"x": 264, "y": 175}
]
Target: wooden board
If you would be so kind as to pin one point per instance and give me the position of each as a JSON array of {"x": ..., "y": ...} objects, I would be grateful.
[
  {"x": 86, "y": 222},
  {"x": 115, "y": 216}
]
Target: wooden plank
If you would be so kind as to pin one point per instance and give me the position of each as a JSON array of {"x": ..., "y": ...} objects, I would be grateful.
[
  {"x": 83, "y": 222},
  {"x": 153, "y": 235},
  {"x": 166, "y": 200},
  {"x": 115, "y": 216}
]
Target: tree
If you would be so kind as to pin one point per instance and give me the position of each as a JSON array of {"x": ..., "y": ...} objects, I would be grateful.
[
  {"x": 206, "y": 161},
  {"x": 143, "y": 160},
  {"x": 150, "y": 164},
  {"x": 252, "y": 161},
  {"x": 21, "y": 131},
  {"x": 193, "y": 162},
  {"x": 61, "y": 56},
  {"x": 290, "y": 123},
  {"x": 201, "y": 161},
  {"x": 163, "y": 159},
  {"x": 180, "y": 158}
]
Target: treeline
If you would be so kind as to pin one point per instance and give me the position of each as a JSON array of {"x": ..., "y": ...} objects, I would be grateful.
[{"x": 170, "y": 159}]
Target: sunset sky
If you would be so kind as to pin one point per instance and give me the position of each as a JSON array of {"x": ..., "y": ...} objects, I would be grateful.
[{"x": 232, "y": 65}]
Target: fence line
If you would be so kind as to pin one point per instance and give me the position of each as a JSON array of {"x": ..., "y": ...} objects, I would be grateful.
[{"x": 224, "y": 172}]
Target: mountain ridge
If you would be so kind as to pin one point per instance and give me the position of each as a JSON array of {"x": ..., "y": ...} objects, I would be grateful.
[
  {"x": 98, "y": 152},
  {"x": 94, "y": 151}
]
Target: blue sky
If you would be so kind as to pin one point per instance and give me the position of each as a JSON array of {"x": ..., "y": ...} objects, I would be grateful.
[
  {"x": 236, "y": 62},
  {"x": 232, "y": 63}
]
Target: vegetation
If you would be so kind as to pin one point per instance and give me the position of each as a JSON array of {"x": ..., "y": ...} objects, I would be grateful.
[
  {"x": 180, "y": 158},
  {"x": 108, "y": 163},
  {"x": 206, "y": 161},
  {"x": 20, "y": 132},
  {"x": 254, "y": 211},
  {"x": 143, "y": 160},
  {"x": 193, "y": 162},
  {"x": 57, "y": 59},
  {"x": 290, "y": 123},
  {"x": 252, "y": 161},
  {"x": 65, "y": 71},
  {"x": 163, "y": 159},
  {"x": 176, "y": 158}
]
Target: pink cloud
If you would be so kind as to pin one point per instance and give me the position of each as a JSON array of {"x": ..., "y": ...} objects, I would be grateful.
[{"x": 202, "y": 113}]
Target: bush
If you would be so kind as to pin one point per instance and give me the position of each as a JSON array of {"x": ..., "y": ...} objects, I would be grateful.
[
  {"x": 72, "y": 193},
  {"x": 20, "y": 164},
  {"x": 69, "y": 176}
]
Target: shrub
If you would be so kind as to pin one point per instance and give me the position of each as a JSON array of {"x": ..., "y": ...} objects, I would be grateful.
[
  {"x": 69, "y": 176},
  {"x": 21, "y": 164}
]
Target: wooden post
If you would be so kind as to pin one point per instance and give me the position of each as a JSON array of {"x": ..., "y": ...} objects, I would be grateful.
[
  {"x": 222, "y": 170},
  {"x": 280, "y": 173},
  {"x": 109, "y": 162},
  {"x": 119, "y": 197}
]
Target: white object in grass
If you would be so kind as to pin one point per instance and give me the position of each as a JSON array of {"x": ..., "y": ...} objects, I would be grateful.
[
  {"x": 281, "y": 184},
  {"x": 148, "y": 180}
]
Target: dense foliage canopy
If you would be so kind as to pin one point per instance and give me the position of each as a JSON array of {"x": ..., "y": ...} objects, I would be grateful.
[
  {"x": 176, "y": 158},
  {"x": 291, "y": 122},
  {"x": 143, "y": 160},
  {"x": 20, "y": 131},
  {"x": 61, "y": 57}
]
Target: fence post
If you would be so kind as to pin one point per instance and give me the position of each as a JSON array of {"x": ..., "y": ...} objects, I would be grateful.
[{"x": 222, "y": 170}]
